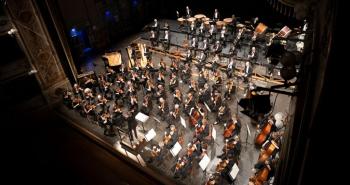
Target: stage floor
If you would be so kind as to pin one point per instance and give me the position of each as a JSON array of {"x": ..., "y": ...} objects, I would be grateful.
[{"x": 249, "y": 154}]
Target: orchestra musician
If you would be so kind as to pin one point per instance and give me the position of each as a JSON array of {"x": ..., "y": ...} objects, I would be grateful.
[
  {"x": 212, "y": 34},
  {"x": 193, "y": 45},
  {"x": 67, "y": 98},
  {"x": 201, "y": 80},
  {"x": 186, "y": 73},
  {"x": 193, "y": 87},
  {"x": 150, "y": 88},
  {"x": 216, "y": 15},
  {"x": 189, "y": 103},
  {"x": 161, "y": 78},
  {"x": 217, "y": 80},
  {"x": 77, "y": 103},
  {"x": 217, "y": 47},
  {"x": 162, "y": 66},
  {"x": 117, "y": 115},
  {"x": 133, "y": 103},
  {"x": 147, "y": 106},
  {"x": 223, "y": 113},
  {"x": 177, "y": 97},
  {"x": 204, "y": 94},
  {"x": 232, "y": 128},
  {"x": 174, "y": 67},
  {"x": 153, "y": 38},
  {"x": 77, "y": 90},
  {"x": 160, "y": 92},
  {"x": 174, "y": 83},
  {"x": 188, "y": 12},
  {"x": 174, "y": 115},
  {"x": 215, "y": 100},
  {"x": 188, "y": 56},
  {"x": 223, "y": 36},
  {"x": 166, "y": 40},
  {"x": 89, "y": 110},
  {"x": 201, "y": 60},
  {"x": 252, "y": 55},
  {"x": 230, "y": 89},
  {"x": 88, "y": 95},
  {"x": 163, "y": 109},
  {"x": 214, "y": 63},
  {"x": 101, "y": 102},
  {"x": 248, "y": 70},
  {"x": 230, "y": 67},
  {"x": 201, "y": 31},
  {"x": 155, "y": 154}
]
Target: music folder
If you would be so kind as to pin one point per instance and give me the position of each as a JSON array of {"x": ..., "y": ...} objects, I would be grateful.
[
  {"x": 141, "y": 117},
  {"x": 183, "y": 122},
  {"x": 176, "y": 149},
  {"x": 150, "y": 135},
  {"x": 204, "y": 162},
  {"x": 234, "y": 171}
]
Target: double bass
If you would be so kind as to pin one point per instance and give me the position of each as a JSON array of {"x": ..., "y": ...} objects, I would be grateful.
[
  {"x": 266, "y": 153},
  {"x": 264, "y": 133}
]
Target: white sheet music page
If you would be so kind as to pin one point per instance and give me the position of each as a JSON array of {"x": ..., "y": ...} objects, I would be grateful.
[
  {"x": 150, "y": 135},
  {"x": 234, "y": 171},
  {"x": 204, "y": 162},
  {"x": 141, "y": 117},
  {"x": 183, "y": 122},
  {"x": 176, "y": 149},
  {"x": 213, "y": 133}
]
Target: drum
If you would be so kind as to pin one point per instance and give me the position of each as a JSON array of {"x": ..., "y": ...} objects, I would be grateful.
[
  {"x": 199, "y": 16},
  {"x": 181, "y": 20},
  {"x": 219, "y": 24},
  {"x": 240, "y": 26},
  {"x": 191, "y": 19},
  {"x": 228, "y": 21},
  {"x": 261, "y": 28}
]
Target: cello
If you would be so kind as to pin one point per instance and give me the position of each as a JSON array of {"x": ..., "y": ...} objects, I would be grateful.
[
  {"x": 229, "y": 130},
  {"x": 195, "y": 116},
  {"x": 264, "y": 133}
]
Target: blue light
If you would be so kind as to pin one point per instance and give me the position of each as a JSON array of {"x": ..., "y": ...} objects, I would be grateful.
[
  {"x": 108, "y": 13},
  {"x": 74, "y": 32},
  {"x": 135, "y": 3}
]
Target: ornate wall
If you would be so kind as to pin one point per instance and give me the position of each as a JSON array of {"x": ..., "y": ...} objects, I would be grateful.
[{"x": 38, "y": 46}]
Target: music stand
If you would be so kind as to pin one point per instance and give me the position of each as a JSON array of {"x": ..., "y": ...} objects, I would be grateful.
[
  {"x": 150, "y": 135},
  {"x": 182, "y": 121},
  {"x": 142, "y": 118},
  {"x": 176, "y": 149},
  {"x": 204, "y": 164},
  {"x": 234, "y": 171}
]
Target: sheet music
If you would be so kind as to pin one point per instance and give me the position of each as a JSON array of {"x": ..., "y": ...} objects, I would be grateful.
[
  {"x": 213, "y": 133},
  {"x": 141, "y": 117},
  {"x": 183, "y": 122},
  {"x": 204, "y": 162},
  {"x": 176, "y": 149},
  {"x": 207, "y": 107},
  {"x": 150, "y": 135},
  {"x": 234, "y": 171}
]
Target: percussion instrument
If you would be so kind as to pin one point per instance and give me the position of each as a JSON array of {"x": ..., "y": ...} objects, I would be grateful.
[
  {"x": 181, "y": 20},
  {"x": 240, "y": 26},
  {"x": 228, "y": 21},
  {"x": 191, "y": 19},
  {"x": 199, "y": 16},
  {"x": 219, "y": 24},
  {"x": 261, "y": 28}
]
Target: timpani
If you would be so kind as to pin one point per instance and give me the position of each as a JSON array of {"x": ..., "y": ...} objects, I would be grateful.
[
  {"x": 240, "y": 26},
  {"x": 228, "y": 21},
  {"x": 199, "y": 16},
  {"x": 191, "y": 19},
  {"x": 207, "y": 24},
  {"x": 219, "y": 24},
  {"x": 181, "y": 20}
]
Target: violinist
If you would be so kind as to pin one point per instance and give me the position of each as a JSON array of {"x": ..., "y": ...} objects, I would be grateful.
[
  {"x": 119, "y": 96},
  {"x": 133, "y": 103},
  {"x": 153, "y": 38},
  {"x": 161, "y": 79},
  {"x": 202, "y": 130},
  {"x": 223, "y": 113},
  {"x": 201, "y": 79},
  {"x": 155, "y": 154},
  {"x": 230, "y": 68},
  {"x": 174, "y": 67},
  {"x": 186, "y": 73},
  {"x": 201, "y": 60},
  {"x": 163, "y": 109},
  {"x": 146, "y": 105},
  {"x": 216, "y": 16},
  {"x": 177, "y": 97},
  {"x": 193, "y": 87},
  {"x": 248, "y": 70},
  {"x": 88, "y": 95},
  {"x": 191, "y": 148},
  {"x": 120, "y": 82},
  {"x": 189, "y": 103},
  {"x": 180, "y": 167},
  {"x": 135, "y": 79},
  {"x": 117, "y": 115},
  {"x": 175, "y": 115},
  {"x": 252, "y": 55},
  {"x": 217, "y": 47},
  {"x": 230, "y": 89},
  {"x": 188, "y": 56},
  {"x": 217, "y": 80},
  {"x": 160, "y": 92},
  {"x": 108, "y": 129},
  {"x": 104, "y": 119},
  {"x": 101, "y": 102},
  {"x": 150, "y": 89},
  {"x": 130, "y": 89},
  {"x": 162, "y": 66},
  {"x": 77, "y": 90},
  {"x": 67, "y": 98},
  {"x": 215, "y": 101},
  {"x": 89, "y": 110},
  {"x": 110, "y": 74},
  {"x": 76, "y": 103},
  {"x": 174, "y": 83},
  {"x": 204, "y": 94}
]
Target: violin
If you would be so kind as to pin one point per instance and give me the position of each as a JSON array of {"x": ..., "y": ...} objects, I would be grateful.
[
  {"x": 264, "y": 133},
  {"x": 166, "y": 138},
  {"x": 221, "y": 166},
  {"x": 229, "y": 130},
  {"x": 191, "y": 149}
]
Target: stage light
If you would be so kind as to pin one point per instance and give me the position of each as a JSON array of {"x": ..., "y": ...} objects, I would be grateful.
[{"x": 73, "y": 32}]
